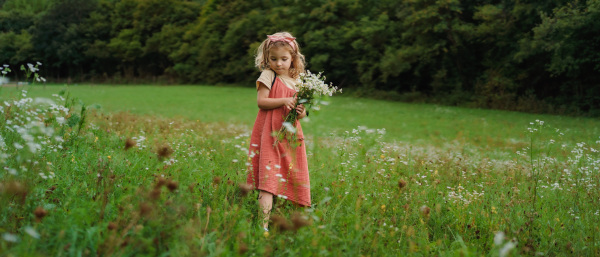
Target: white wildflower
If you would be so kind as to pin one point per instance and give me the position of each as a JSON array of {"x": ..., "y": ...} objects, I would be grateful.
[
  {"x": 507, "y": 248},
  {"x": 499, "y": 238},
  {"x": 30, "y": 231},
  {"x": 10, "y": 237},
  {"x": 289, "y": 127},
  {"x": 18, "y": 146}
]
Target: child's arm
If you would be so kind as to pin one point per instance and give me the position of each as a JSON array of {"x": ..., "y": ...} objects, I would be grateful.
[{"x": 266, "y": 103}]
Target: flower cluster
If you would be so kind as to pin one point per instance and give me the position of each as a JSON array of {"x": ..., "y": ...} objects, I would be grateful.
[
  {"x": 31, "y": 127},
  {"x": 309, "y": 89},
  {"x": 313, "y": 85}
]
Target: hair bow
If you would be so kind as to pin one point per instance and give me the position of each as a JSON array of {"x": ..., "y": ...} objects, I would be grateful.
[{"x": 289, "y": 40}]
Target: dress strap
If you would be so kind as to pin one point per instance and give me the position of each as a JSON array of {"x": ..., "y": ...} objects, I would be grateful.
[{"x": 274, "y": 78}]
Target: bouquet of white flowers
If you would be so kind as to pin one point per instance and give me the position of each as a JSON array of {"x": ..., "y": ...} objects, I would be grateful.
[{"x": 310, "y": 88}]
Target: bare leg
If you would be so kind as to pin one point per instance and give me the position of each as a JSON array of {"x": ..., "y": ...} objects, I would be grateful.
[{"x": 265, "y": 202}]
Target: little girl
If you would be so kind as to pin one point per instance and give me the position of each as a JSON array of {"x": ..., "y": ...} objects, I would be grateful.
[{"x": 278, "y": 169}]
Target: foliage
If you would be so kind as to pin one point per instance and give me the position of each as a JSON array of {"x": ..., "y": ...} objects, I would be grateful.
[
  {"x": 517, "y": 55},
  {"x": 129, "y": 185}
]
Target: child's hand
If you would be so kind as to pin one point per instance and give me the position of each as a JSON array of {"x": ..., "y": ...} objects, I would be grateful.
[
  {"x": 289, "y": 102},
  {"x": 300, "y": 109}
]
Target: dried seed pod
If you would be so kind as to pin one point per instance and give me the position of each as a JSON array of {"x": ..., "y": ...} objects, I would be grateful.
[
  {"x": 281, "y": 223},
  {"x": 164, "y": 151},
  {"x": 299, "y": 221},
  {"x": 245, "y": 188},
  {"x": 402, "y": 183},
  {"x": 425, "y": 210},
  {"x": 40, "y": 213},
  {"x": 129, "y": 143},
  {"x": 172, "y": 185}
]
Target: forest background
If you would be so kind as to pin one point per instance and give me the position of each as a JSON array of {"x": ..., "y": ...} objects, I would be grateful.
[{"x": 530, "y": 55}]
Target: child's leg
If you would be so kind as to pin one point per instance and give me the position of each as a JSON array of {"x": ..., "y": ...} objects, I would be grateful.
[{"x": 265, "y": 202}]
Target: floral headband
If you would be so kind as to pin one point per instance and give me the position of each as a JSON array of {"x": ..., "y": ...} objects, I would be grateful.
[{"x": 289, "y": 40}]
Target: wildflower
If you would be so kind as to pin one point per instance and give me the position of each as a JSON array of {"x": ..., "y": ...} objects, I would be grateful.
[
  {"x": 507, "y": 248},
  {"x": 289, "y": 127},
  {"x": 30, "y": 231},
  {"x": 499, "y": 238},
  {"x": 383, "y": 207},
  {"x": 8, "y": 237},
  {"x": 18, "y": 146}
]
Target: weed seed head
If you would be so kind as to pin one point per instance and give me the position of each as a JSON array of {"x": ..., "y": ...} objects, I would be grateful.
[
  {"x": 129, "y": 143},
  {"x": 281, "y": 223},
  {"x": 172, "y": 185},
  {"x": 40, "y": 213},
  {"x": 244, "y": 248},
  {"x": 164, "y": 152},
  {"x": 112, "y": 226},
  {"x": 216, "y": 180},
  {"x": 245, "y": 188},
  {"x": 299, "y": 221},
  {"x": 425, "y": 211},
  {"x": 15, "y": 188},
  {"x": 402, "y": 183},
  {"x": 160, "y": 182},
  {"x": 155, "y": 193},
  {"x": 145, "y": 209}
]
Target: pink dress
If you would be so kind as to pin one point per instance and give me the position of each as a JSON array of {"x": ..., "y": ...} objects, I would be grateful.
[{"x": 280, "y": 170}]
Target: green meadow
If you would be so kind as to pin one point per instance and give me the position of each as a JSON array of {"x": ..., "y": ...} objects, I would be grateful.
[
  {"x": 411, "y": 123},
  {"x": 160, "y": 171}
]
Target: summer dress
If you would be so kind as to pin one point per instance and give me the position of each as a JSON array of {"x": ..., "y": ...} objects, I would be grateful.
[{"x": 280, "y": 169}]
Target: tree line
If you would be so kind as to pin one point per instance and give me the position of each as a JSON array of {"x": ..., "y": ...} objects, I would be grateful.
[{"x": 526, "y": 55}]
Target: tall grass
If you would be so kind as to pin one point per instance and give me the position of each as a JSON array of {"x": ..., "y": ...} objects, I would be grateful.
[{"x": 140, "y": 184}]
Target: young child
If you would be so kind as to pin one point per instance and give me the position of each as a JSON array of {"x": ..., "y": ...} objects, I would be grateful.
[{"x": 279, "y": 169}]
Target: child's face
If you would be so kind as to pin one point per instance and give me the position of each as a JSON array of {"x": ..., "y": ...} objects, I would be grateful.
[{"x": 280, "y": 60}]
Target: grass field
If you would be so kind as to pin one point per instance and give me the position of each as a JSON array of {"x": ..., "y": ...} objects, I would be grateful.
[
  {"x": 412, "y": 123},
  {"x": 441, "y": 180}
]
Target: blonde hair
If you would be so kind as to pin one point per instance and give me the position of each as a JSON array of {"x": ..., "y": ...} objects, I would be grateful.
[{"x": 262, "y": 54}]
